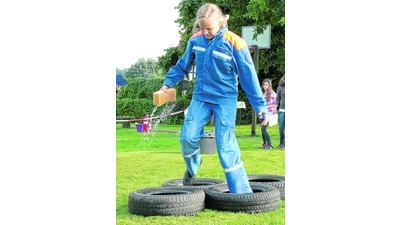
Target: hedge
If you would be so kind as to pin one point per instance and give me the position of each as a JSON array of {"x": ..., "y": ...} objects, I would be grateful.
[{"x": 136, "y": 98}]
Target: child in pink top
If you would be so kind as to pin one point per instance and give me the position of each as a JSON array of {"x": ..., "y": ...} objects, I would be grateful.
[{"x": 270, "y": 96}]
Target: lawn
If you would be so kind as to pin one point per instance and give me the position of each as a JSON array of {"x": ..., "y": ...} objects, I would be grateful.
[{"x": 148, "y": 160}]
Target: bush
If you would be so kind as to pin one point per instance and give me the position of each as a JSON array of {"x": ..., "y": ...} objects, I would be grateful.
[{"x": 136, "y": 99}]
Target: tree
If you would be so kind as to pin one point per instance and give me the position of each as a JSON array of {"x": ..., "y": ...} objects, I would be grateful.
[
  {"x": 169, "y": 59},
  {"x": 143, "y": 68},
  {"x": 271, "y": 61},
  {"x": 122, "y": 72},
  {"x": 258, "y": 13}
]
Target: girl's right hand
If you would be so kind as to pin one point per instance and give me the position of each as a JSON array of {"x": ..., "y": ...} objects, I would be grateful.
[
  {"x": 274, "y": 110},
  {"x": 164, "y": 88},
  {"x": 265, "y": 121}
]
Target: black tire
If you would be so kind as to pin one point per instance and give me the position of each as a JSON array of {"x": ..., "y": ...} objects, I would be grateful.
[
  {"x": 201, "y": 183},
  {"x": 166, "y": 201},
  {"x": 270, "y": 179},
  {"x": 265, "y": 198}
]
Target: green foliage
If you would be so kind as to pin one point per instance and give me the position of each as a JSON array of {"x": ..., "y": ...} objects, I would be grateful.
[
  {"x": 271, "y": 62},
  {"x": 282, "y": 21},
  {"x": 258, "y": 13},
  {"x": 265, "y": 12},
  {"x": 169, "y": 59},
  {"x": 143, "y": 68},
  {"x": 134, "y": 108},
  {"x": 140, "y": 88},
  {"x": 122, "y": 72},
  {"x": 176, "y": 119},
  {"x": 136, "y": 99},
  {"x": 187, "y": 13}
]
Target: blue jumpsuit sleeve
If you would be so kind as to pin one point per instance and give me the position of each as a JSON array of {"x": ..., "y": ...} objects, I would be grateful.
[
  {"x": 182, "y": 67},
  {"x": 249, "y": 81}
]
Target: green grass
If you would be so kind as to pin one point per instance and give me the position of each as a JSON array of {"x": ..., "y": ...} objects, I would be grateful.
[{"x": 148, "y": 160}]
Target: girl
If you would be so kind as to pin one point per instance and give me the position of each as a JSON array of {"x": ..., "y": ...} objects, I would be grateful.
[
  {"x": 270, "y": 96},
  {"x": 222, "y": 59}
]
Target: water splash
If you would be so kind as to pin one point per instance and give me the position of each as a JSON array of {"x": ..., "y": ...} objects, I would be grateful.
[
  {"x": 166, "y": 110},
  {"x": 147, "y": 138}
]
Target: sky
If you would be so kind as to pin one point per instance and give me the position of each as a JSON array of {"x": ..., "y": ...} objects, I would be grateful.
[{"x": 146, "y": 31}]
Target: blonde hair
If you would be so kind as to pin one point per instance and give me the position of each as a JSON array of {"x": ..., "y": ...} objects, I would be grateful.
[{"x": 209, "y": 10}]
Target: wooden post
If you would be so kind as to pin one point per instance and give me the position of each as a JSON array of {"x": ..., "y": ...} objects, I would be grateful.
[
  {"x": 253, "y": 112},
  {"x": 212, "y": 120}
]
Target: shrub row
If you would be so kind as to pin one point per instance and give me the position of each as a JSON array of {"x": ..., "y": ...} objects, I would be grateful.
[{"x": 136, "y": 98}]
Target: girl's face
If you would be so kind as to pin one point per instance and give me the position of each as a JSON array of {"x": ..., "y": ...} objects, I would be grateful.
[
  {"x": 209, "y": 27},
  {"x": 265, "y": 85}
]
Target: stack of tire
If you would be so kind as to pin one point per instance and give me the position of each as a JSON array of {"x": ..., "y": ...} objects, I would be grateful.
[{"x": 174, "y": 199}]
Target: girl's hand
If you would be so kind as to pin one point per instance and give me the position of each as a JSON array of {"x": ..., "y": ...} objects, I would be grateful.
[
  {"x": 265, "y": 121},
  {"x": 164, "y": 88}
]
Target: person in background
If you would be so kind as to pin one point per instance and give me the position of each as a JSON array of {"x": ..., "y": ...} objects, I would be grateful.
[
  {"x": 270, "y": 96},
  {"x": 118, "y": 87},
  {"x": 222, "y": 60},
  {"x": 280, "y": 103},
  {"x": 146, "y": 123}
]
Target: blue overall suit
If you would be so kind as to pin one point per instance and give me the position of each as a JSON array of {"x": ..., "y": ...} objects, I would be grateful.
[{"x": 220, "y": 63}]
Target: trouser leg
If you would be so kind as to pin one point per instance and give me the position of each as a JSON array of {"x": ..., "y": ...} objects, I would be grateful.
[
  {"x": 192, "y": 131},
  {"x": 267, "y": 138},
  {"x": 263, "y": 131},
  {"x": 281, "y": 117},
  {"x": 228, "y": 149}
]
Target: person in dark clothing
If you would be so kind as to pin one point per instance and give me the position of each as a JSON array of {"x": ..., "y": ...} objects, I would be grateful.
[{"x": 280, "y": 103}]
